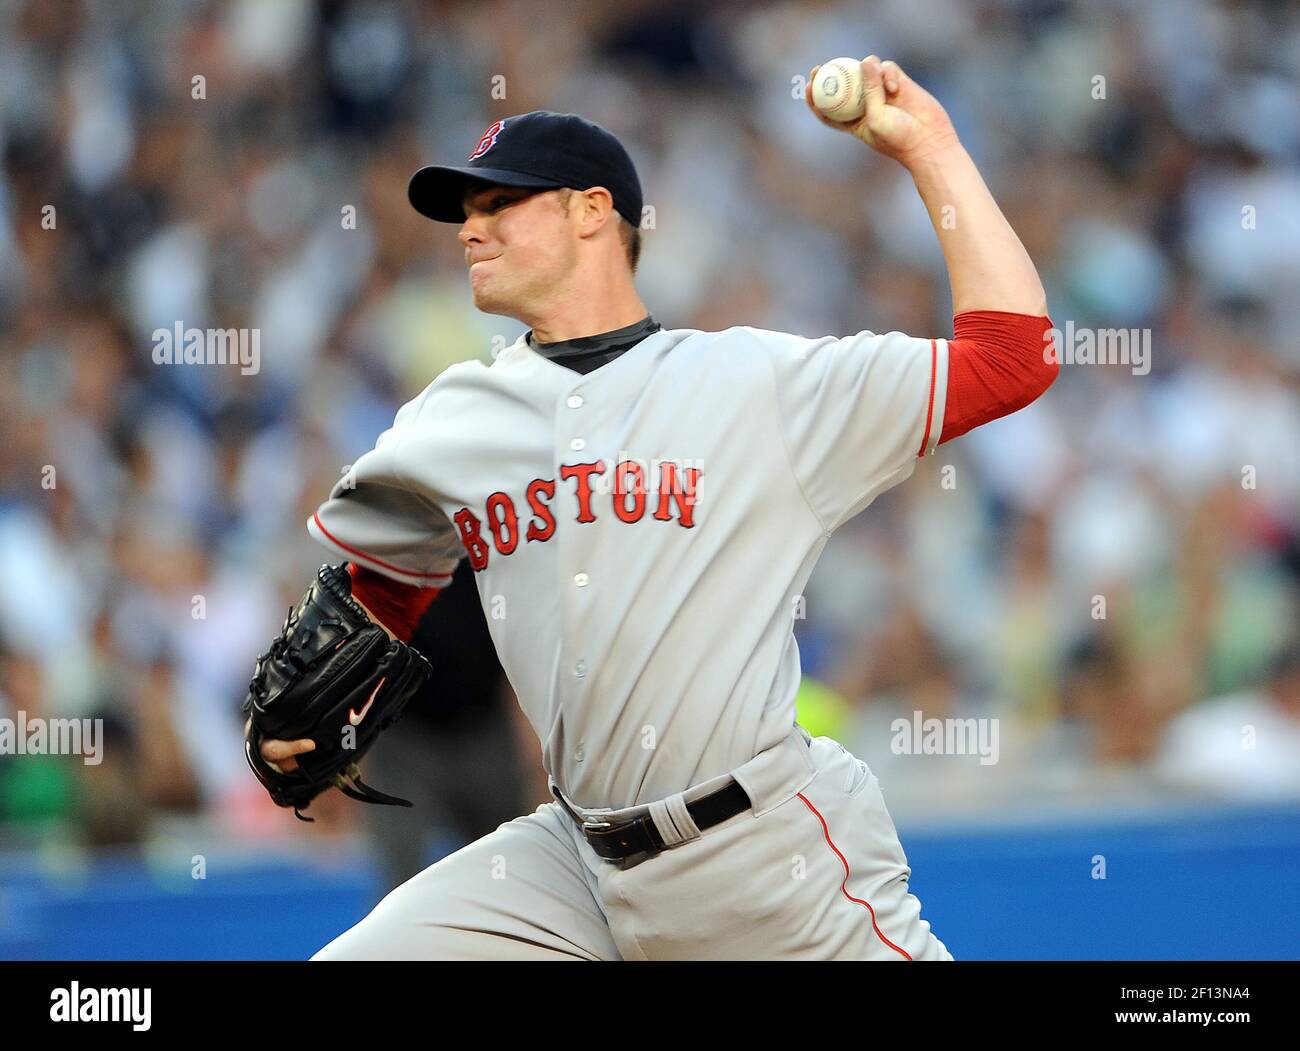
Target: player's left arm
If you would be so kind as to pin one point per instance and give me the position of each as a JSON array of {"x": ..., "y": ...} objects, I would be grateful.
[
  {"x": 399, "y": 550},
  {"x": 1001, "y": 357},
  {"x": 395, "y": 606}
]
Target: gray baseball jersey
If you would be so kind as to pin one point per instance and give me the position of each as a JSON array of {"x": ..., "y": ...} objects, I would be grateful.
[{"x": 640, "y": 534}]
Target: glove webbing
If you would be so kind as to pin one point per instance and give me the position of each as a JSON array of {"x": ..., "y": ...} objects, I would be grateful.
[{"x": 350, "y": 784}]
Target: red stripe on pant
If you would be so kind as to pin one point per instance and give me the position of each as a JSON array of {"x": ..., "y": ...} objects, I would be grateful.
[{"x": 844, "y": 886}]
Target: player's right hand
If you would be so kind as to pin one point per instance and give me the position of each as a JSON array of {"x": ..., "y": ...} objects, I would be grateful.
[
  {"x": 902, "y": 119},
  {"x": 280, "y": 754}
]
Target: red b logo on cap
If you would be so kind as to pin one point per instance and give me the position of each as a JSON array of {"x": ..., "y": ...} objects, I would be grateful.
[{"x": 488, "y": 139}]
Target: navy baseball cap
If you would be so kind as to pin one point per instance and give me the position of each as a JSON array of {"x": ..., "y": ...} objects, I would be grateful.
[{"x": 540, "y": 150}]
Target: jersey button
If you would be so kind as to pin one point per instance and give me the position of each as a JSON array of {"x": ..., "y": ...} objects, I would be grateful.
[
  {"x": 575, "y": 401},
  {"x": 580, "y": 669},
  {"x": 577, "y": 444},
  {"x": 580, "y": 579},
  {"x": 579, "y": 755}
]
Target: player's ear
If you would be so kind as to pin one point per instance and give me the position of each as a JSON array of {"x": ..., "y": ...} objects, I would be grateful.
[{"x": 595, "y": 210}]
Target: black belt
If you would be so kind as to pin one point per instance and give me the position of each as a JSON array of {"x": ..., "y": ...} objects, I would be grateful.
[{"x": 640, "y": 835}]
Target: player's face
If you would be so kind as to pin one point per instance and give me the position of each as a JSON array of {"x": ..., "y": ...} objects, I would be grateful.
[{"x": 519, "y": 246}]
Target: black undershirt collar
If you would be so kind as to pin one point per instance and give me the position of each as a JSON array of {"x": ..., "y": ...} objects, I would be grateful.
[{"x": 588, "y": 353}]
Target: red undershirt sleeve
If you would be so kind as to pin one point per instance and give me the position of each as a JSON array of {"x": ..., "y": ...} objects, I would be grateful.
[
  {"x": 395, "y": 605},
  {"x": 998, "y": 362}
]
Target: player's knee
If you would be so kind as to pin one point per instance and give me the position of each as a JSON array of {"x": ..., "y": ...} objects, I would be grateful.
[
  {"x": 354, "y": 944},
  {"x": 329, "y": 953}
]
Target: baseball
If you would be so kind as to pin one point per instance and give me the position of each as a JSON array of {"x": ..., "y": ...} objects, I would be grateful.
[{"x": 837, "y": 90}]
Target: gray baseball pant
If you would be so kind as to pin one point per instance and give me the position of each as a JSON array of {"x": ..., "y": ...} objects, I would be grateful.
[{"x": 814, "y": 870}]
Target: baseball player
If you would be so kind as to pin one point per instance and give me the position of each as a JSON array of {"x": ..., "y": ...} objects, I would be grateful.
[{"x": 642, "y": 506}]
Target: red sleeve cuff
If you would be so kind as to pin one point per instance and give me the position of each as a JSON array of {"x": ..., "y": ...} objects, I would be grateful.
[
  {"x": 998, "y": 362},
  {"x": 397, "y": 606}
]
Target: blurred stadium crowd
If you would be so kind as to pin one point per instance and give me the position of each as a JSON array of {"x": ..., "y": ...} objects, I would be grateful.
[{"x": 1113, "y": 573}]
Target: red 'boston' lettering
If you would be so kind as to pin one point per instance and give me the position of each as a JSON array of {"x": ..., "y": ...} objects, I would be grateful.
[
  {"x": 583, "y": 472},
  {"x": 471, "y": 535},
  {"x": 503, "y": 522},
  {"x": 625, "y": 470},
  {"x": 630, "y": 488},
  {"x": 669, "y": 489},
  {"x": 542, "y": 526}
]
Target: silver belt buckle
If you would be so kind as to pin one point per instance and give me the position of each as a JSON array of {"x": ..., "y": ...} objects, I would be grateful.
[{"x": 583, "y": 822}]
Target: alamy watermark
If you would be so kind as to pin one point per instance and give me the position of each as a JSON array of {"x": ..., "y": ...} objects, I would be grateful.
[
  {"x": 1099, "y": 346},
  {"x": 75, "y": 1004},
  {"x": 637, "y": 476},
  {"x": 952, "y": 737},
  {"x": 179, "y": 345},
  {"x": 37, "y": 736}
]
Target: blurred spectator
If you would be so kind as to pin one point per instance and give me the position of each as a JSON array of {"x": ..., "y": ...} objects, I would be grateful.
[
  {"x": 1243, "y": 746},
  {"x": 115, "y": 805},
  {"x": 37, "y": 791}
]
